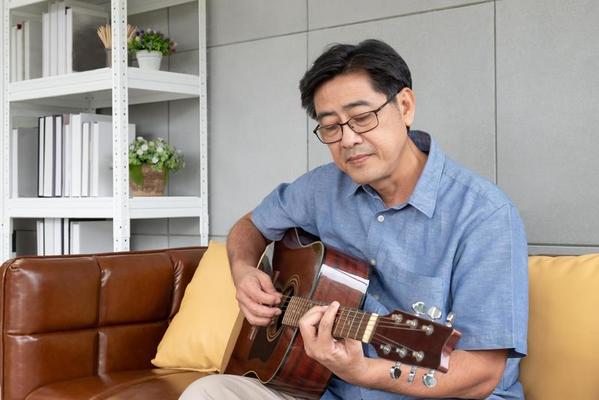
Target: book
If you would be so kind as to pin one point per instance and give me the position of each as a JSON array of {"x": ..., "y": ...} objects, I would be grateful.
[
  {"x": 58, "y": 156},
  {"x": 45, "y": 44},
  {"x": 24, "y": 168},
  {"x": 32, "y": 37},
  {"x": 39, "y": 225},
  {"x": 85, "y": 160},
  {"x": 68, "y": 154},
  {"x": 53, "y": 11},
  {"x": 61, "y": 38},
  {"x": 13, "y": 53},
  {"x": 40, "y": 155},
  {"x": 20, "y": 63},
  {"x": 48, "y": 177}
]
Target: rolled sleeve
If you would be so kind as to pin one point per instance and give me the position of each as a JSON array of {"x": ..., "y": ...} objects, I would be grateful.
[{"x": 490, "y": 284}]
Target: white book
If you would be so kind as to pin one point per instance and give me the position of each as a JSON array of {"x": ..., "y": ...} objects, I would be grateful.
[
  {"x": 91, "y": 237},
  {"x": 66, "y": 236},
  {"x": 58, "y": 236},
  {"x": 45, "y": 44},
  {"x": 53, "y": 10},
  {"x": 40, "y": 155},
  {"x": 58, "y": 157},
  {"x": 48, "y": 156},
  {"x": 69, "y": 38},
  {"x": 49, "y": 236},
  {"x": 85, "y": 160},
  {"x": 94, "y": 159},
  {"x": 39, "y": 225},
  {"x": 68, "y": 154},
  {"x": 20, "y": 56},
  {"x": 76, "y": 140},
  {"x": 13, "y": 53},
  {"x": 24, "y": 169},
  {"x": 32, "y": 35},
  {"x": 62, "y": 39}
]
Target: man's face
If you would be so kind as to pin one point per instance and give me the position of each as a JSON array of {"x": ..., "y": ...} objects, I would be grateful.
[{"x": 372, "y": 157}]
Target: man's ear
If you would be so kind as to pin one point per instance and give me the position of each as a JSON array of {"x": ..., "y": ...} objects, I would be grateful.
[{"x": 407, "y": 105}]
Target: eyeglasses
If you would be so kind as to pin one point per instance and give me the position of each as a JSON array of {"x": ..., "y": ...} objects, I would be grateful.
[{"x": 360, "y": 123}]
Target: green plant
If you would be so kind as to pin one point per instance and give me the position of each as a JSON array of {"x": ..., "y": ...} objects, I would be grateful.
[
  {"x": 157, "y": 153},
  {"x": 151, "y": 40}
]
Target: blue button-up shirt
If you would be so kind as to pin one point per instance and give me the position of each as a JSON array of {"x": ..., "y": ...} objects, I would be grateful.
[{"x": 458, "y": 243}]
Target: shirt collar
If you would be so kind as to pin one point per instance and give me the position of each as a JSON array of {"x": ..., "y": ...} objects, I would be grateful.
[{"x": 424, "y": 196}]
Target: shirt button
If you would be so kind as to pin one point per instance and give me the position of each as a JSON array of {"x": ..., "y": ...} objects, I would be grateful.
[
  {"x": 372, "y": 262},
  {"x": 380, "y": 218}
]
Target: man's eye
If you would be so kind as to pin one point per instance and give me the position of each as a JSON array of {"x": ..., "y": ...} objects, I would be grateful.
[{"x": 328, "y": 129}]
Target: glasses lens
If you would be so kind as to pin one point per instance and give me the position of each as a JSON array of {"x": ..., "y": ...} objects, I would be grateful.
[
  {"x": 329, "y": 133},
  {"x": 363, "y": 122}
]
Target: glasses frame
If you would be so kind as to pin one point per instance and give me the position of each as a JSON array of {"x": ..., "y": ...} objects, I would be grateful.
[{"x": 376, "y": 116}]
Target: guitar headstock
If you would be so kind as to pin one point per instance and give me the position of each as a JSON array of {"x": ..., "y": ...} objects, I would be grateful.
[{"x": 414, "y": 339}]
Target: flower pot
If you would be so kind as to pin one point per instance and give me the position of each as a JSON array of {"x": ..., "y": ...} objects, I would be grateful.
[
  {"x": 145, "y": 181},
  {"x": 149, "y": 59}
]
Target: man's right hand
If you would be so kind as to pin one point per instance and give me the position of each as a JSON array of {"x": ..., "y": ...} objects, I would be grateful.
[{"x": 257, "y": 297}]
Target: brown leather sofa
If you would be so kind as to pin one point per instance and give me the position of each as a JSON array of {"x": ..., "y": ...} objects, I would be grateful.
[{"x": 87, "y": 326}]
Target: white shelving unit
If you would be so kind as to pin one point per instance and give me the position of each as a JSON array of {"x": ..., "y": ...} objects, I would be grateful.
[{"x": 116, "y": 87}]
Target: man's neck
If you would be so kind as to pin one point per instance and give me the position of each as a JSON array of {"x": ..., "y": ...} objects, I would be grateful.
[{"x": 399, "y": 187}]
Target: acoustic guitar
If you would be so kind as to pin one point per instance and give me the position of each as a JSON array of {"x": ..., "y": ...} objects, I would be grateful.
[{"x": 308, "y": 273}]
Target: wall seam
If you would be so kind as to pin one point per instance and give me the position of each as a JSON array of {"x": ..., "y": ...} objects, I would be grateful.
[
  {"x": 432, "y": 10},
  {"x": 496, "y": 136}
]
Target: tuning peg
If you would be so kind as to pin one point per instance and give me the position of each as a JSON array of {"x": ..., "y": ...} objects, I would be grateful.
[
  {"x": 434, "y": 312},
  {"x": 429, "y": 379},
  {"x": 419, "y": 308},
  {"x": 450, "y": 319}
]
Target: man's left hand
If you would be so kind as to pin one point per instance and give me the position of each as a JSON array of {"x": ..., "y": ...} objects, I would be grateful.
[{"x": 344, "y": 357}]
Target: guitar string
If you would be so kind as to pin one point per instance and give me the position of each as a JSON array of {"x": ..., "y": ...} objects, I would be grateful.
[
  {"x": 384, "y": 321},
  {"x": 352, "y": 313}
]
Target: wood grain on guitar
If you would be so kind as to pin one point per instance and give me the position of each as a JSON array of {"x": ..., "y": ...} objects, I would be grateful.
[{"x": 307, "y": 274}]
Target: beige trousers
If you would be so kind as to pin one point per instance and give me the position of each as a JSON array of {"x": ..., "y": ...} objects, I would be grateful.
[{"x": 225, "y": 387}]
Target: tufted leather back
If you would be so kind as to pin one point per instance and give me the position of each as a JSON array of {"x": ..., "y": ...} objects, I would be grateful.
[{"x": 66, "y": 317}]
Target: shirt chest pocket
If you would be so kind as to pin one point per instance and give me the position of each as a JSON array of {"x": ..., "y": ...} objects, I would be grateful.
[{"x": 403, "y": 288}]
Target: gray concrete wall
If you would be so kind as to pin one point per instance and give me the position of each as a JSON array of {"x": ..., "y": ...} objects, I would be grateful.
[{"x": 509, "y": 88}]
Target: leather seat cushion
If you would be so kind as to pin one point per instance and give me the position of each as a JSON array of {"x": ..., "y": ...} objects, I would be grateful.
[{"x": 164, "y": 384}]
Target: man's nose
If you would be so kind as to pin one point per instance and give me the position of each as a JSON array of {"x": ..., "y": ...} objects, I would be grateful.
[{"x": 349, "y": 138}]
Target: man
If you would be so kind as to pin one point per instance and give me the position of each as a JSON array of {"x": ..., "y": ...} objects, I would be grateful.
[{"x": 432, "y": 230}]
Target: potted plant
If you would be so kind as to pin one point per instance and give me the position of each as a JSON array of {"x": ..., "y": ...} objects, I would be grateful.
[
  {"x": 149, "y": 46},
  {"x": 150, "y": 162}
]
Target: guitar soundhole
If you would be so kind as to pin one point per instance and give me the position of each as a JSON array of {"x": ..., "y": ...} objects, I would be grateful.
[{"x": 273, "y": 330}]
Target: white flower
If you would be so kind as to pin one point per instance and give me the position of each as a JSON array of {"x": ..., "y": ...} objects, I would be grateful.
[
  {"x": 160, "y": 149},
  {"x": 140, "y": 152},
  {"x": 140, "y": 139},
  {"x": 154, "y": 160},
  {"x": 144, "y": 147}
]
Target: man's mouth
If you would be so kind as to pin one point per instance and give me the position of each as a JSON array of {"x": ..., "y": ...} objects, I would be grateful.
[{"x": 358, "y": 158}]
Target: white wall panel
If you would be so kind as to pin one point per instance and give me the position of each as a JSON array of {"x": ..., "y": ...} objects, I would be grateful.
[
  {"x": 548, "y": 97},
  {"x": 256, "y": 124}
]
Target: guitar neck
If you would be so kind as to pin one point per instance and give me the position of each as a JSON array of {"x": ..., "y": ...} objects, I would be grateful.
[{"x": 349, "y": 322}]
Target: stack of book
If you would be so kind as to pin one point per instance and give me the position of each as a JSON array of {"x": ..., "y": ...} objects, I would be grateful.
[
  {"x": 69, "y": 38},
  {"x": 56, "y": 236},
  {"x": 26, "y": 50},
  {"x": 73, "y": 157}
]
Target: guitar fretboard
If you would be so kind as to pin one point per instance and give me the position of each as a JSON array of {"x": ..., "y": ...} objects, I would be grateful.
[{"x": 349, "y": 322}]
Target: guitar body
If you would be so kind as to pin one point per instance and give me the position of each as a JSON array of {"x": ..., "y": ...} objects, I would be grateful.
[{"x": 300, "y": 266}]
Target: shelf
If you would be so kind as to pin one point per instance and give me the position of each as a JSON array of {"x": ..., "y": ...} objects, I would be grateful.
[
  {"x": 133, "y": 6},
  {"x": 94, "y": 88},
  {"x": 102, "y": 207}
]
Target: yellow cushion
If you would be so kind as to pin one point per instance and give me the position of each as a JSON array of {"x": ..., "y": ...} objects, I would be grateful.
[
  {"x": 202, "y": 334},
  {"x": 563, "y": 328}
]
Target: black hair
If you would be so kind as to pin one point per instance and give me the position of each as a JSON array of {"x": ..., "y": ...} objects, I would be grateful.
[{"x": 388, "y": 72}]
